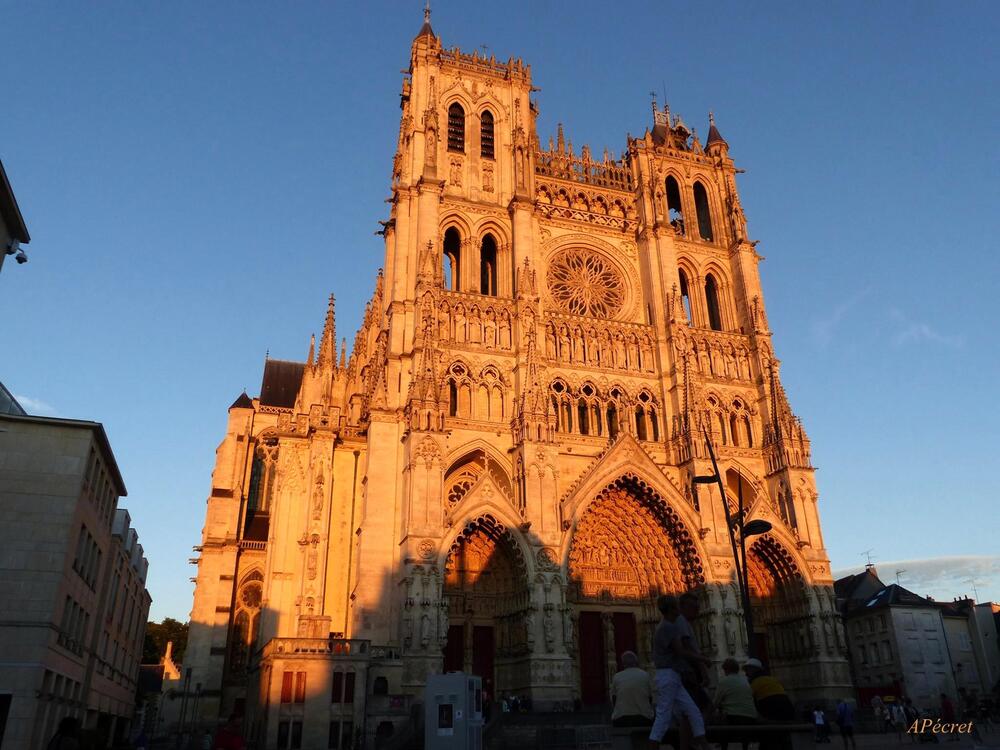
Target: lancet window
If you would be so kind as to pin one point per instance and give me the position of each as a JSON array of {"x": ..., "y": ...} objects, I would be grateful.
[
  {"x": 675, "y": 212},
  {"x": 262, "y": 476},
  {"x": 740, "y": 428},
  {"x": 732, "y": 424},
  {"x": 488, "y": 266},
  {"x": 243, "y": 634},
  {"x": 459, "y": 391},
  {"x": 452, "y": 259},
  {"x": 486, "y": 134},
  {"x": 786, "y": 507},
  {"x": 456, "y": 128},
  {"x": 647, "y": 423},
  {"x": 704, "y": 214},
  {"x": 471, "y": 397},
  {"x": 587, "y": 411},
  {"x": 712, "y": 302},
  {"x": 686, "y": 297}
]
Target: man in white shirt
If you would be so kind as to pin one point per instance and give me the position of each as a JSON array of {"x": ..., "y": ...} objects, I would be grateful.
[{"x": 632, "y": 694}]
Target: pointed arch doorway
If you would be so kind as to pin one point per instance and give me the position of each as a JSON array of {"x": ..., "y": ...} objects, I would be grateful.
[
  {"x": 783, "y": 631},
  {"x": 486, "y": 592},
  {"x": 629, "y": 547}
]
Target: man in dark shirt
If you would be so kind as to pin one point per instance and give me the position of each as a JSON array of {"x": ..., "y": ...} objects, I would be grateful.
[{"x": 670, "y": 693}]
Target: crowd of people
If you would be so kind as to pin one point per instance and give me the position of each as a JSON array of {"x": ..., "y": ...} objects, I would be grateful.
[
  {"x": 677, "y": 695},
  {"x": 680, "y": 682}
]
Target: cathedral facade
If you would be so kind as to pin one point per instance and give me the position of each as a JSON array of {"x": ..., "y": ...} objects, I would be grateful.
[{"x": 499, "y": 478}]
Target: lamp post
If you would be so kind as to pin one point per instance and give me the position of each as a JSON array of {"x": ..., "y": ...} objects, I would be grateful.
[{"x": 736, "y": 523}]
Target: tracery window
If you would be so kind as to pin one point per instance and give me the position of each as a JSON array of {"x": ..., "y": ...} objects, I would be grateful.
[
  {"x": 486, "y": 134},
  {"x": 583, "y": 282},
  {"x": 459, "y": 391},
  {"x": 456, "y": 128},
  {"x": 243, "y": 634},
  {"x": 262, "y": 476},
  {"x": 703, "y": 211},
  {"x": 466, "y": 472}
]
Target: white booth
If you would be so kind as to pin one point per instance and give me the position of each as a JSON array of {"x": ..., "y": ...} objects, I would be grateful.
[{"x": 453, "y": 712}]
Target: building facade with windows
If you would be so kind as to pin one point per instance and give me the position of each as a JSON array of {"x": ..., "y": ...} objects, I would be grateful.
[
  {"x": 73, "y": 601},
  {"x": 499, "y": 476}
]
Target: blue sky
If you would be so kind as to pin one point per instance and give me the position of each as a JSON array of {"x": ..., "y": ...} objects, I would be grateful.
[{"x": 198, "y": 177}]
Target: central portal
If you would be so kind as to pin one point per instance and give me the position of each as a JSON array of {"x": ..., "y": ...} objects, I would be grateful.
[
  {"x": 628, "y": 548},
  {"x": 486, "y": 589}
]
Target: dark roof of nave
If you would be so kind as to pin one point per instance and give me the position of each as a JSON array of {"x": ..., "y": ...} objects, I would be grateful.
[{"x": 281, "y": 382}]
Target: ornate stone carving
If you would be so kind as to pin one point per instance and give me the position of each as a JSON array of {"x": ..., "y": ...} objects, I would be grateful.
[
  {"x": 547, "y": 559},
  {"x": 426, "y": 549},
  {"x": 583, "y": 282}
]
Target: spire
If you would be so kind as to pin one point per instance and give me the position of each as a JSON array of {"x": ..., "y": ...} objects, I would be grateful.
[
  {"x": 426, "y": 29},
  {"x": 312, "y": 350},
  {"x": 343, "y": 353},
  {"x": 714, "y": 136},
  {"x": 328, "y": 345}
]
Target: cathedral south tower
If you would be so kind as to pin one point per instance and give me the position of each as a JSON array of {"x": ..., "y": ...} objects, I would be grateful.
[{"x": 498, "y": 477}]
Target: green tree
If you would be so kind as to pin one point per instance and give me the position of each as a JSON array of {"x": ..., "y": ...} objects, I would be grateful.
[{"x": 157, "y": 636}]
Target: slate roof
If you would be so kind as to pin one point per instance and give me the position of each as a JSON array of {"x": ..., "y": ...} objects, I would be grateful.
[
  {"x": 242, "y": 402},
  {"x": 281, "y": 382}
]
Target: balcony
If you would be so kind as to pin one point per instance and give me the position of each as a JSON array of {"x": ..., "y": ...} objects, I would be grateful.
[{"x": 348, "y": 648}]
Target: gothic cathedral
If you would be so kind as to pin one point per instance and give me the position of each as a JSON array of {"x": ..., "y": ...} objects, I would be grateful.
[{"x": 498, "y": 479}]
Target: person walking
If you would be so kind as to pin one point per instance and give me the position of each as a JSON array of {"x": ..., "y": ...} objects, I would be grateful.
[
  {"x": 734, "y": 697},
  {"x": 822, "y": 728},
  {"x": 877, "y": 706},
  {"x": 898, "y": 716},
  {"x": 631, "y": 694},
  {"x": 670, "y": 693},
  {"x": 845, "y": 720}
]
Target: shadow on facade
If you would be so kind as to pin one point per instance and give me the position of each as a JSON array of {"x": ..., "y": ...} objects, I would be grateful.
[{"x": 544, "y": 624}]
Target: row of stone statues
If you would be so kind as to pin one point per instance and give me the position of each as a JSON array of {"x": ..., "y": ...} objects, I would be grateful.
[{"x": 599, "y": 347}]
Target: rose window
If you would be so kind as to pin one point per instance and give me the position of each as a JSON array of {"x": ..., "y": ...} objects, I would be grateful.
[
  {"x": 585, "y": 283},
  {"x": 251, "y": 595}
]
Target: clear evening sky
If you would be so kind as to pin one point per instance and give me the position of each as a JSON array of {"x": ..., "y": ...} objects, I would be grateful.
[{"x": 198, "y": 177}]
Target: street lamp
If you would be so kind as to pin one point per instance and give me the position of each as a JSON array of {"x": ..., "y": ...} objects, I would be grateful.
[{"x": 736, "y": 523}]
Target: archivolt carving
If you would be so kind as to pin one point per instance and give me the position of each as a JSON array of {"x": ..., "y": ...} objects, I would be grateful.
[
  {"x": 486, "y": 577},
  {"x": 780, "y": 601},
  {"x": 630, "y": 546}
]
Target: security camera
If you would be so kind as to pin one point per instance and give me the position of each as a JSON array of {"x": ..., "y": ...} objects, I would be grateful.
[
  {"x": 21, "y": 257},
  {"x": 13, "y": 246}
]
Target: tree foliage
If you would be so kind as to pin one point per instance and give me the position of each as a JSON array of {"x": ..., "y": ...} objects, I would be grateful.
[{"x": 157, "y": 636}]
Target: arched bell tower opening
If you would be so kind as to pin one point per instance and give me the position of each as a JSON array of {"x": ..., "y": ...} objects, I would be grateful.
[
  {"x": 489, "y": 614},
  {"x": 780, "y": 605},
  {"x": 628, "y": 548}
]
